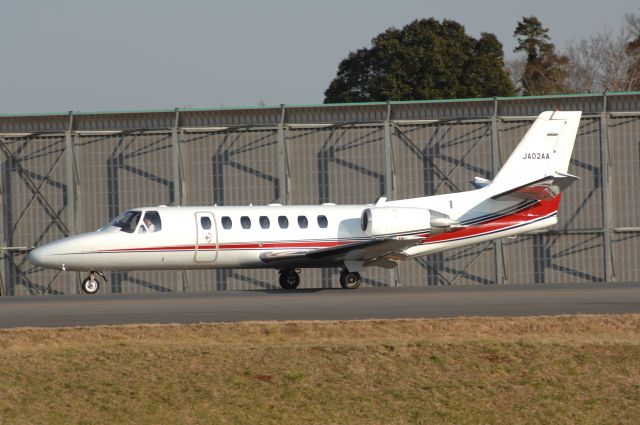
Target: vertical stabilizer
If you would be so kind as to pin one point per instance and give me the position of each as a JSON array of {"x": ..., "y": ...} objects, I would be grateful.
[{"x": 544, "y": 151}]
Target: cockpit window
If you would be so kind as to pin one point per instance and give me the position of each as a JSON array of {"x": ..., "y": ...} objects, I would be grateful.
[
  {"x": 127, "y": 221},
  {"x": 152, "y": 221}
]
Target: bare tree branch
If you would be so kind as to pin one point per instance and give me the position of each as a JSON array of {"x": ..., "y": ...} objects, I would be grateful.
[
  {"x": 515, "y": 68},
  {"x": 606, "y": 61}
]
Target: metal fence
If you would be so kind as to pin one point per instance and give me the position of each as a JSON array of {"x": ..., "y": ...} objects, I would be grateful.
[{"x": 70, "y": 173}]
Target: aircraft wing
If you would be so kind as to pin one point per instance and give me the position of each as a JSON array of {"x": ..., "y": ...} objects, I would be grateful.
[
  {"x": 365, "y": 251},
  {"x": 539, "y": 190}
]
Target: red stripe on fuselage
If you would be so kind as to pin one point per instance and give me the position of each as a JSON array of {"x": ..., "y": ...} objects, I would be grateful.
[
  {"x": 538, "y": 210},
  {"x": 241, "y": 245}
]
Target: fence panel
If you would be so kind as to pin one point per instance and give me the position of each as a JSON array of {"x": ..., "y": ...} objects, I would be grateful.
[
  {"x": 117, "y": 172},
  {"x": 34, "y": 209},
  {"x": 554, "y": 258},
  {"x": 342, "y": 165},
  {"x": 437, "y": 158},
  {"x": 624, "y": 142},
  {"x": 444, "y": 157},
  {"x": 230, "y": 167},
  {"x": 64, "y": 174}
]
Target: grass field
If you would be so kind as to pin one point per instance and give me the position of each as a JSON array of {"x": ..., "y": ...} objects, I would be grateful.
[{"x": 552, "y": 370}]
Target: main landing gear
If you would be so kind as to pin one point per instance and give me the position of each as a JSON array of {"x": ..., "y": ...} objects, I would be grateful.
[
  {"x": 349, "y": 280},
  {"x": 91, "y": 285},
  {"x": 290, "y": 279}
]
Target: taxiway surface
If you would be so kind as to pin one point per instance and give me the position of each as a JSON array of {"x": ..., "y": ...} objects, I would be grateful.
[{"x": 321, "y": 304}]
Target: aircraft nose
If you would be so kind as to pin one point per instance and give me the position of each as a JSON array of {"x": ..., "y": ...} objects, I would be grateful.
[
  {"x": 37, "y": 256},
  {"x": 43, "y": 257},
  {"x": 59, "y": 254}
]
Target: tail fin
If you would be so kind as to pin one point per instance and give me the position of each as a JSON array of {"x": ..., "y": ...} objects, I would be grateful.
[{"x": 545, "y": 151}]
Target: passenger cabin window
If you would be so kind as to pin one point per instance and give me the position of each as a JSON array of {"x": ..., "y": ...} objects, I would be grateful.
[
  {"x": 303, "y": 222},
  {"x": 322, "y": 221},
  {"x": 245, "y": 222},
  {"x": 226, "y": 222},
  {"x": 283, "y": 222},
  {"x": 205, "y": 222},
  {"x": 264, "y": 222}
]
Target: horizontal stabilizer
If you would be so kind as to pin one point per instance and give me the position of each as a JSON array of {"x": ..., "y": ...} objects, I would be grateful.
[
  {"x": 479, "y": 182},
  {"x": 544, "y": 189}
]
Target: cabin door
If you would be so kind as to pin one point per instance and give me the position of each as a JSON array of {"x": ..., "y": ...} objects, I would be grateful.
[{"x": 206, "y": 238}]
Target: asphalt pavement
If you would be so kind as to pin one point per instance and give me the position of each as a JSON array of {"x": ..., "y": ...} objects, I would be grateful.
[{"x": 320, "y": 304}]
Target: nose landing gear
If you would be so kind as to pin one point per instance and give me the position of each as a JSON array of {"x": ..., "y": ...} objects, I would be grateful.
[{"x": 91, "y": 285}]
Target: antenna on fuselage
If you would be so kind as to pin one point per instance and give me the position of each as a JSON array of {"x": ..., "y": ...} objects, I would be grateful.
[{"x": 381, "y": 201}]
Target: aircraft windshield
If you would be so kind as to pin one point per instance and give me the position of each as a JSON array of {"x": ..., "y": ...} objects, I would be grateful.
[{"x": 127, "y": 221}]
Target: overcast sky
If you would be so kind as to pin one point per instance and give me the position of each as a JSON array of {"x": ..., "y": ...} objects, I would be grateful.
[{"x": 89, "y": 55}]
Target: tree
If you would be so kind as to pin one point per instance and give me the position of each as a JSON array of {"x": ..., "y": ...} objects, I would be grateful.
[
  {"x": 633, "y": 52},
  {"x": 515, "y": 68},
  {"x": 426, "y": 59},
  {"x": 606, "y": 62},
  {"x": 545, "y": 72},
  {"x": 486, "y": 69}
]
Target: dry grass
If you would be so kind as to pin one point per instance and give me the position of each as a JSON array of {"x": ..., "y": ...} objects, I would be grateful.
[{"x": 569, "y": 369}]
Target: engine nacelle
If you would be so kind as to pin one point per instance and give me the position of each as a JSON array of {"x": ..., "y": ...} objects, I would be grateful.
[
  {"x": 398, "y": 221},
  {"x": 388, "y": 221}
]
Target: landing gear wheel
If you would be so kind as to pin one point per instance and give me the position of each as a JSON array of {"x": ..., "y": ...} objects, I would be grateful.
[
  {"x": 289, "y": 279},
  {"x": 90, "y": 285},
  {"x": 349, "y": 280}
]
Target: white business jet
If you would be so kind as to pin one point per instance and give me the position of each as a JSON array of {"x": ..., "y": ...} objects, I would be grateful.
[{"x": 523, "y": 197}]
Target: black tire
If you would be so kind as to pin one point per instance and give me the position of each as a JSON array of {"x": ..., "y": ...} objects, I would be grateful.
[
  {"x": 289, "y": 279},
  {"x": 350, "y": 280},
  {"x": 90, "y": 285}
]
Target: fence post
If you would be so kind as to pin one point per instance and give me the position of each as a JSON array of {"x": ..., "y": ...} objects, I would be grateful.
[
  {"x": 70, "y": 165},
  {"x": 495, "y": 165},
  {"x": 178, "y": 182},
  {"x": 179, "y": 192},
  {"x": 607, "y": 196},
  {"x": 389, "y": 176},
  {"x": 72, "y": 183},
  {"x": 283, "y": 160},
  {"x": 3, "y": 254},
  {"x": 3, "y": 230}
]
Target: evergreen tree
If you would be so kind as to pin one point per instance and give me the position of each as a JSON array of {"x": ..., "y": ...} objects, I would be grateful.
[
  {"x": 545, "y": 71},
  {"x": 426, "y": 59}
]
